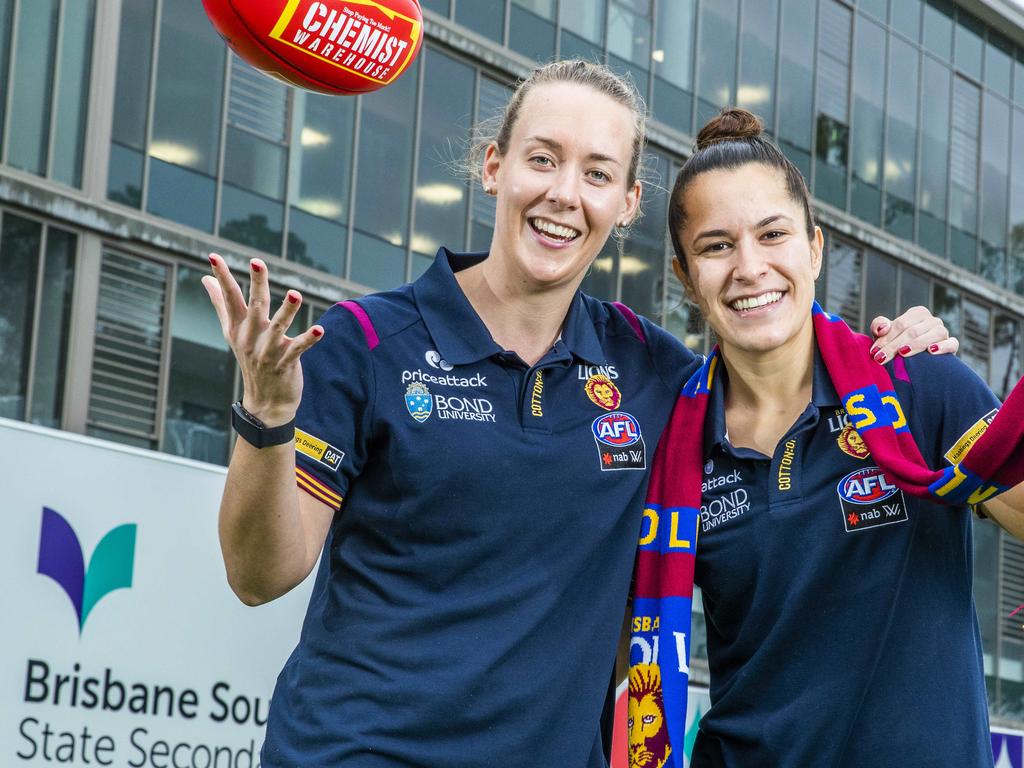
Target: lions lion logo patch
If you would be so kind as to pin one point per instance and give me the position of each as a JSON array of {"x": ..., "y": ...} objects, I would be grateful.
[
  {"x": 602, "y": 391},
  {"x": 648, "y": 732},
  {"x": 852, "y": 444}
]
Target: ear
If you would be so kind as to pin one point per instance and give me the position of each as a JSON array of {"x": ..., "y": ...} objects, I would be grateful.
[
  {"x": 817, "y": 248},
  {"x": 684, "y": 278},
  {"x": 632, "y": 204},
  {"x": 492, "y": 162}
]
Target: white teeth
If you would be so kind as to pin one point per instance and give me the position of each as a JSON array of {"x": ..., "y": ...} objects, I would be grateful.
[
  {"x": 555, "y": 230},
  {"x": 756, "y": 301}
]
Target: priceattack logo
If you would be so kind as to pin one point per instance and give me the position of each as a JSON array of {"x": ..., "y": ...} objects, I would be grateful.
[{"x": 61, "y": 558}]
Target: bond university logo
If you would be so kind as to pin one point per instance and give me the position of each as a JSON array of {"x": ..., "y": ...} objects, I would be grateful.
[
  {"x": 61, "y": 558},
  {"x": 418, "y": 401}
]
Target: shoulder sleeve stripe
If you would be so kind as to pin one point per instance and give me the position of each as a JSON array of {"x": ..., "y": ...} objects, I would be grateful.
[
  {"x": 365, "y": 322},
  {"x": 632, "y": 319},
  {"x": 317, "y": 490}
]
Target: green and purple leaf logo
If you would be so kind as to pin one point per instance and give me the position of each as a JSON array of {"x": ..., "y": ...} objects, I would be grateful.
[{"x": 61, "y": 558}]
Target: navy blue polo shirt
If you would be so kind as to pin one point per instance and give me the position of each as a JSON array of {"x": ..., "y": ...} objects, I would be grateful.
[
  {"x": 472, "y": 586},
  {"x": 840, "y": 618}
]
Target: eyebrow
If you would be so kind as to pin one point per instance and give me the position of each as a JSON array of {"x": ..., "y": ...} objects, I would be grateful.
[
  {"x": 558, "y": 147},
  {"x": 723, "y": 233}
]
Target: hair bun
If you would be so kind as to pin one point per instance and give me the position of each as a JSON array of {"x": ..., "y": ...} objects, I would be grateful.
[{"x": 731, "y": 124}]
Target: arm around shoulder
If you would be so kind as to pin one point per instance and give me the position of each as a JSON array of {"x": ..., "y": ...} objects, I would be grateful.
[{"x": 1007, "y": 511}]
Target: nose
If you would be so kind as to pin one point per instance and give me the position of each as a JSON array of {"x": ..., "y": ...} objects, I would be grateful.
[
  {"x": 751, "y": 263},
  {"x": 564, "y": 189}
]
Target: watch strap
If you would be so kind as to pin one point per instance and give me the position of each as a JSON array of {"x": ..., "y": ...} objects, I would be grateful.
[{"x": 255, "y": 432}]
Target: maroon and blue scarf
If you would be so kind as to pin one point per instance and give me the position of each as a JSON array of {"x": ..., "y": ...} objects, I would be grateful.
[{"x": 660, "y": 648}]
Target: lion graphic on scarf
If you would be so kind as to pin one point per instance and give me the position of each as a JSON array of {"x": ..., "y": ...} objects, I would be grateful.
[{"x": 648, "y": 735}]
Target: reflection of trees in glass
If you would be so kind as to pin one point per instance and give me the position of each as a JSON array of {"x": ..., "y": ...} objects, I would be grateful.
[
  {"x": 1006, "y": 353},
  {"x": 255, "y": 231},
  {"x": 131, "y": 195},
  {"x": 833, "y": 141}
]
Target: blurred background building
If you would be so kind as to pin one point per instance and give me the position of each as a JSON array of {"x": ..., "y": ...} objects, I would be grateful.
[{"x": 133, "y": 143}]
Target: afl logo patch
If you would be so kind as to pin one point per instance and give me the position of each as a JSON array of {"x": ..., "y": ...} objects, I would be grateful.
[
  {"x": 602, "y": 391},
  {"x": 619, "y": 441},
  {"x": 618, "y": 429},
  {"x": 869, "y": 499}
]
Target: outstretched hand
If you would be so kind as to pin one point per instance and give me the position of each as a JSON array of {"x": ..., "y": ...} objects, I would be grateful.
[
  {"x": 267, "y": 358},
  {"x": 914, "y": 331}
]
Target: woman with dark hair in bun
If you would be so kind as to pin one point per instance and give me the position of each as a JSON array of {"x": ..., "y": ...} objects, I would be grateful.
[{"x": 830, "y": 497}]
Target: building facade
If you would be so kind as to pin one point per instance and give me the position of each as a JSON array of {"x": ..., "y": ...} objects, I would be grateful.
[{"x": 132, "y": 143}]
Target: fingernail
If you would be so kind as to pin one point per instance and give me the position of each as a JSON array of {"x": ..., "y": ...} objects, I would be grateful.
[
  {"x": 255, "y": 266},
  {"x": 317, "y": 332},
  {"x": 882, "y": 328},
  {"x": 293, "y": 299},
  {"x": 213, "y": 260},
  {"x": 904, "y": 351},
  {"x": 880, "y": 358},
  {"x": 874, "y": 351},
  {"x": 933, "y": 348}
]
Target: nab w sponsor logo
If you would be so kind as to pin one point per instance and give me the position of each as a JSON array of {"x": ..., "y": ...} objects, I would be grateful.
[
  {"x": 869, "y": 499},
  {"x": 617, "y": 429},
  {"x": 61, "y": 558},
  {"x": 619, "y": 441}
]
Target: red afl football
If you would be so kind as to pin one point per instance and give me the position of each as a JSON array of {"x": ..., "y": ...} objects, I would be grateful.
[{"x": 329, "y": 46}]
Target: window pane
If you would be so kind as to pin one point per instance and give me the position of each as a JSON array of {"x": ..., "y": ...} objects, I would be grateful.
[
  {"x": 1006, "y": 354},
  {"x": 760, "y": 23},
  {"x": 73, "y": 91},
  {"x": 974, "y": 342},
  {"x": 52, "y": 343},
  {"x": 131, "y": 100},
  {"x": 201, "y": 377},
  {"x": 376, "y": 263},
  {"x": 251, "y": 219},
  {"x": 995, "y": 160},
  {"x": 35, "y": 41},
  {"x": 868, "y": 110},
  {"x": 629, "y": 39},
  {"x": 845, "y": 264},
  {"x": 915, "y": 290},
  {"x": 320, "y": 175},
  {"x": 876, "y": 8},
  {"x": 189, "y": 89},
  {"x": 20, "y": 241},
  {"x": 493, "y": 97},
  {"x": 6, "y": 7},
  {"x": 487, "y": 17},
  {"x": 583, "y": 18},
  {"x": 938, "y": 28},
  {"x": 934, "y": 156},
  {"x": 716, "y": 64},
  {"x": 441, "y": 198},
  {"x": 901, "y": 141},
  {"x": 1018, "y": 77},
  {"x": 880, "y": 288},
  {"x": 254, "y": 164},
  {"x": 602, "y": 278},
  {"x": 968, "y": 42},
  {"x": 796, "y": 83},
  {"x": 643, "y": 252},
  {"x": 833, "y": 132},
  {"x": 673, "y": 64},
  {"x": 181, "y": 195},
  {"x": 531, "y": 28},
  {"x": 964, "y": 172},
  {"x": 906, "y": 17},
  {"x": 385, "y": 153},
  {"x": 946, "y": 305},
  {"x": 1017, "y": 204},
  {"x": 441, "y": 6},
  {"x": 998, "y": 63}
]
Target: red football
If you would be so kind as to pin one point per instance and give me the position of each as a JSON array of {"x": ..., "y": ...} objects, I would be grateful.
[{"x": 330, "y": 46}]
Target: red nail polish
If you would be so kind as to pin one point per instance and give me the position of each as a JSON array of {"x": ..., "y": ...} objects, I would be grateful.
[
  {"x": 873, "y": 352},
  {"x": 213, "y": 261},
  {"x": 293, "y": 299},
  {"x": 933, "y": 348},
  {"x": 880, "y": 358},
  {"x": 256, "y": 267},
  {"x": 904, "y": 351},
  {"x": 317, "y": 332}
]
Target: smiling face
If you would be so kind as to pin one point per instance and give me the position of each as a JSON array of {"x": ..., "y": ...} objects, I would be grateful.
[
  {"x": 561, "y": 185},
  {"x": 751, "y": 265}
]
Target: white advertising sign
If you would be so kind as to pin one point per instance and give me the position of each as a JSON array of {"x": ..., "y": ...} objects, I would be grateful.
[{"x": 122, "y": 643}]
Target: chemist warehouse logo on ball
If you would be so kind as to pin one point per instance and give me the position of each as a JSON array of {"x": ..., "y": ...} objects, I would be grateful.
[{"x": 61, "y": 558}]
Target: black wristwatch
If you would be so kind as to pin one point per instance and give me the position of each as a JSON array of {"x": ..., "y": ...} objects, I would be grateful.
[{"x": 255, "y": 432}]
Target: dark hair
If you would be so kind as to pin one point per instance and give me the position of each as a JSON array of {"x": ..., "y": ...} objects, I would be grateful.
[
  {"x": 596, "y": 76},
  {"x": 729, "y": 140}
]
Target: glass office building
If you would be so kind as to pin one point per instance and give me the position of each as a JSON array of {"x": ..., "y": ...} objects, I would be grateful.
[{"x": 132, "y": 143}]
